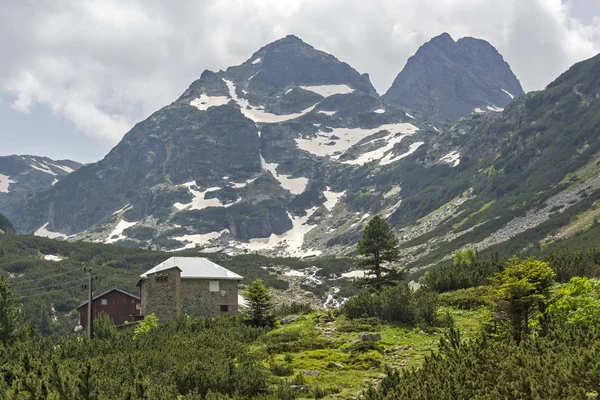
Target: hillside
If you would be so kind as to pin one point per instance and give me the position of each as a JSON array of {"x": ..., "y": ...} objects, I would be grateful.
[
  {"x": 449, "y": 79},
  {"x": 398, "y": 343},
  {"x": 6, "y": 226},
  {"x": 47, "y": 275}
]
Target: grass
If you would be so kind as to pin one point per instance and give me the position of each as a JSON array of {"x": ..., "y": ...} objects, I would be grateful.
[
  {"x": 482, "y": 209},
  {"x": 399, "y": 347},
  {"x": 582, "y": 222},
  {"x": 580, "y": 176}
]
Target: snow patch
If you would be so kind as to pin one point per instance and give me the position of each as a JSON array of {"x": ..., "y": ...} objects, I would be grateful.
[
  {"x": 452, "y": 158},
  {"x": 329, "y": 90},
  {"x": 43, "y": 167},
  {"x": 117, "y": 233},
  {"x": 354, "y": 274},
  {"x": 332, "y": 198},
  {"x": 367, "y": 215},
  {"x": 44, "y": 232},
  {"x": 390, "y": 158},
  {"x": 293, "y": 185},
  {"x": 509, "y": 94},
  {"x": 5, "y": 182},
  {"x": 293, "y": 272},
  {"x": 257, "y": 60},
  {"x": 409, "y": 116},
  {"x": 257, "y": 114},
  {"x": 292, "y": 240},
  {"x": 122, "y": 209},
  {"x": 243, "y": 184},
  {"x": 52, "y": 257},
  {"x": 326, "y": 112},
  {"x": 54, "y": 181},
  {"x": 495, "y": 109},
  {"x": 199, "y": 201},
  {"x": 323, "y": 145},
  {"x": 436, "y": 129},
  {"x": 199, "y": 239},
  {"x": 478, "y": 110},
  {"x": 204, "y": 102},
  {"x": 68, "y": 170},
  {"x": 379, "y": 111}
]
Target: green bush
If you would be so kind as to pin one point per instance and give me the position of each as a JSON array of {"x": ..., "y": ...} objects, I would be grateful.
[
  {"x": 398, "y": 304},
  {"x": 466, "y": 299}
]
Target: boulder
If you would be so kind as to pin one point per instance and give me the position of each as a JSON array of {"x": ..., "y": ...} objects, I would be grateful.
[
  {"x": 311, "y": 372},
  {"x": 289, "y": 319},
  {"x": 370, "y": 337},
  {"x": 334, "y": 365}
]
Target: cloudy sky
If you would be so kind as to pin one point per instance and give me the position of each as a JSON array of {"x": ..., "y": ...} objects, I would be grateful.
[{"x": 76, "y": 75}]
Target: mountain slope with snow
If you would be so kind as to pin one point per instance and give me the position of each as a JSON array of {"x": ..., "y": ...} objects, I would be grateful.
[
  {"x": 268, "y": 157},
  {"x": 21, "y": 176}
]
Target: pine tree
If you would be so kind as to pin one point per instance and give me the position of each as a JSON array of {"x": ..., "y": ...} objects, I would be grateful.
[
  {"x": 378, "y": 250},
  {"x": 259, "y": 311}
]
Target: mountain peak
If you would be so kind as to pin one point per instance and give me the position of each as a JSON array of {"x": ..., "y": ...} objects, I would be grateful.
[
  {"x": 288, "y": 62},
  {"x": 449, "y": 79},
  {"x": 443, "y": 39}
]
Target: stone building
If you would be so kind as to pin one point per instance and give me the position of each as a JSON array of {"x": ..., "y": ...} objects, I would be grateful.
[{"x": 188, "y": 285}]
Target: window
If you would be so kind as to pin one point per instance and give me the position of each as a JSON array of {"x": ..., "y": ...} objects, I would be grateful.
[
  {"x": 132, "y": 301},
  {"x": 213, "y": 286},
  {"x": 224, "y": 308},
  {"x": 104, "y": 302}
]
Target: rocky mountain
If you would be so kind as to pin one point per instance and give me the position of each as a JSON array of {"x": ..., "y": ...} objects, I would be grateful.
[
  {"x": 270, "y": 156},
  {"x": 20, "y": 176},
  {"x": 448, "y": 79},
  {"x": 250, "y": 158}
]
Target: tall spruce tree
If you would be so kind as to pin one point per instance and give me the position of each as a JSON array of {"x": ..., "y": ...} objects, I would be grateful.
[{"x": 378, "y": 251}]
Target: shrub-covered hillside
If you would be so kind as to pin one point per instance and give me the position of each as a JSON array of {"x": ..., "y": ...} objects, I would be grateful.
[{"x": 48, "y": 277}]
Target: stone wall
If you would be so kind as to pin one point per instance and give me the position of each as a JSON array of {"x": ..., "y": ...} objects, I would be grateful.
[
  {"x": 161, "y": 294},
  {"x": 197, "y": 299}
]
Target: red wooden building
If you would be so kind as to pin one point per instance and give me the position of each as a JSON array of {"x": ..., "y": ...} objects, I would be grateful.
[{"x": 118, "y": 304}]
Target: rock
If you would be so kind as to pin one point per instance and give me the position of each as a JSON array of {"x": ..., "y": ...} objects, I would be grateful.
[
  {"x": 289, "y": 319},
  {"x": 334, "y": 365},
  {"x": 402, "y": 348},
  {"x": 299, "y": 388},
  {"x": 311, "y": 372},
  {"x": 370, "y": 337}
]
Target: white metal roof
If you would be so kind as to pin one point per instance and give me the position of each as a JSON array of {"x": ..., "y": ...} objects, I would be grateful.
[{"x": 194, "y": 267}]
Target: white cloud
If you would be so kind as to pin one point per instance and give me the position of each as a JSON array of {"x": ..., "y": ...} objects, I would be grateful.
[{"x": 105, "y": 64}]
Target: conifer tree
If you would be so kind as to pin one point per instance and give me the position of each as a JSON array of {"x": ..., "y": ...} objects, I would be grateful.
[
  {"x": 259, "y": 311},
  {"x": 378, "y": 250},
  {"x": 520, "y": 290}
]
